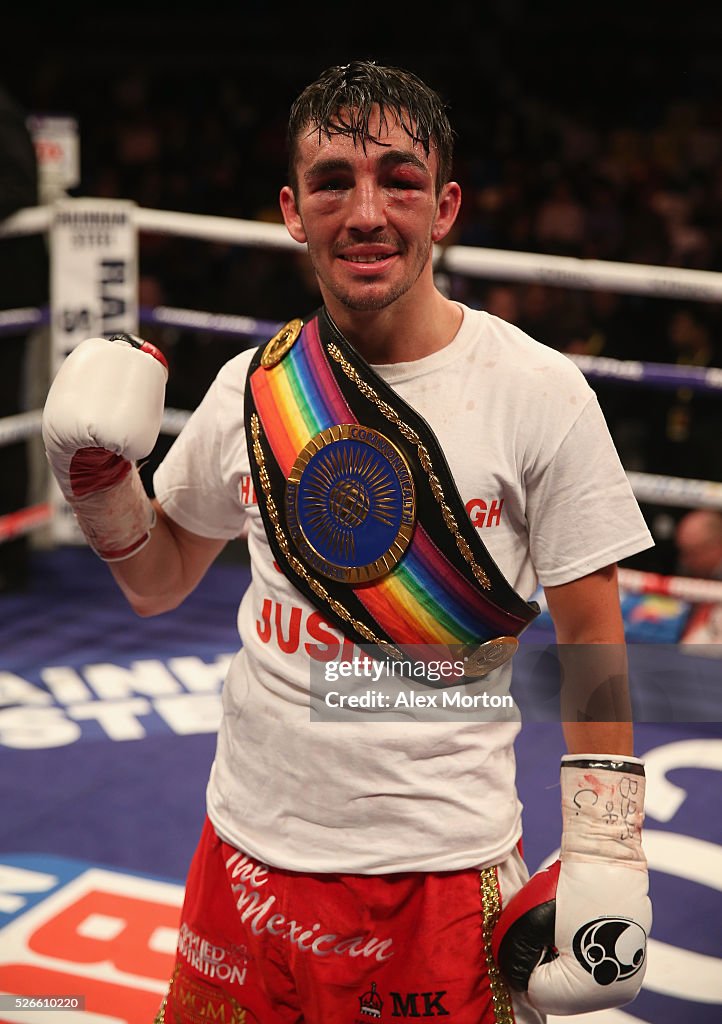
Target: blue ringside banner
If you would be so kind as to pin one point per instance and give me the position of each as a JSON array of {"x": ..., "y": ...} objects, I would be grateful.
[{"x": 107, "y": 735}]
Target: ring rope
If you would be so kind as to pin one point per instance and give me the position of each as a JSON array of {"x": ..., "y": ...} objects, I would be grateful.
[
  {"x": 213, "y": 323},
  {"x": 683, "y": 587},
  {"x": 651, "y": 488},
  {"x": 562, "y": 271},
  {"x": 14, "y": 524},
  {"x": 676, "y": 492},
  {"x": 665, "y": 376},
  {"x": 661, "y": 376},
  {"x": 655, "y": 489},
  {"x": 33, "y": 220},
  {"x": 497, "y": 264},
  {"x": 19, "y": 427},
  {"x": 25, "y": 520},
  {"x": 12, "y": 320},
  {"x": 628, "y": 371}
]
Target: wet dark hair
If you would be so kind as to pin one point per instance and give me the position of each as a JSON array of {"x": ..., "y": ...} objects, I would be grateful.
[{"x": 341, "y": 102}]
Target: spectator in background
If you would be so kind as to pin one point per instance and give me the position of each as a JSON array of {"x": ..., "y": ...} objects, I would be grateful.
[
  {"x": 23, "y": 282},
  {"x": 687, "y": 423},
  {"x": 560, "y": 221},
  {"x": 604, "y": 225},
  {"x": 540, "y": 307},
  {"x": 699, "y": 544},
  {"x": 503, "y": 301},
  {"x": 699, "y": 553}
]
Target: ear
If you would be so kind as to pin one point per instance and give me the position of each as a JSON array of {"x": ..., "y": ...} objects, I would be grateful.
[
  {"x": 291, "y": 216},
  {"x": 447, "y": 210}
]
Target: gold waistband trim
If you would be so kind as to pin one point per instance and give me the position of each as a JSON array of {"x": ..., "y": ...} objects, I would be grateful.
[{"x": 490, "y": 909}]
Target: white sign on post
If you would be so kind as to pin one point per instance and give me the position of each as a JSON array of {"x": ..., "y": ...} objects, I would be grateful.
[
  {"x": 93, "y": 292},
  {"x": 57, "y": 146}
]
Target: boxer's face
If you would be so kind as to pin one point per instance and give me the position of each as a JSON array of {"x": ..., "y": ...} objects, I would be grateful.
[{"x": 370, "y": 219}]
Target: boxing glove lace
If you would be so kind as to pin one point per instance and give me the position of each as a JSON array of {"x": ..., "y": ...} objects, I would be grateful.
[
  {"x": 574, "y": 937},
  {"x": 103, "y": 413}
]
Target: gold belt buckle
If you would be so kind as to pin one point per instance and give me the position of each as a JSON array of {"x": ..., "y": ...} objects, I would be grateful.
[{"x": 490, "y": 655}]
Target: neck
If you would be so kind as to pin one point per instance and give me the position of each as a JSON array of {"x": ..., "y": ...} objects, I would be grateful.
[{"x": 402, "y": 332}]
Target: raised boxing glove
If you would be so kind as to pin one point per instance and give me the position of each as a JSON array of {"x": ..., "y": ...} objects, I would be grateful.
[
  {"x": 575, "y": 936},
  {"x": 103, "y": 412}
]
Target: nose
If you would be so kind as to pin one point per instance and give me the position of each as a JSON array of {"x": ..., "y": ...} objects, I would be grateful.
[{"x": 366, "y": 209}]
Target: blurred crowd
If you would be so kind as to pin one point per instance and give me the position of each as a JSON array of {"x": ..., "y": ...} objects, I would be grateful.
[
  {"x": 534, "y": 180},
  {"x": 639, "y": 185}
]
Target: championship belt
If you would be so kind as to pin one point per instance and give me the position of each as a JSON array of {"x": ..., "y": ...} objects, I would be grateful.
[{"x": 360, "y": 507}]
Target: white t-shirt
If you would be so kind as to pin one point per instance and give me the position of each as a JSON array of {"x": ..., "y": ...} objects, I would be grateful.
[{"x": 535, "y": 465}]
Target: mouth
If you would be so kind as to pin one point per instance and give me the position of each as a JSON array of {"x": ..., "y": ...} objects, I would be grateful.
[{"x": 366, "y": 260}]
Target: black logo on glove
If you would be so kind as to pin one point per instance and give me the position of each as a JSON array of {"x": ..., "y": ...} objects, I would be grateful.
[{"x": 610, "y": 948}]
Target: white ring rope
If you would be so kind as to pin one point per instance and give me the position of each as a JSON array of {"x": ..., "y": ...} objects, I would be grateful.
[
  {"x": 651, "y": 488},
  {"x": 20, "y": 427},
  {"x": 674, "y": 491},
  {"x": 498, "y": 264},
  {"x": 648, "y": 487},
  {"x": 34, "y": 220}
]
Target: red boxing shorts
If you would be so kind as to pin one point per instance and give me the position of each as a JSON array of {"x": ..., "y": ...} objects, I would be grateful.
[{"x": 259, "y": 945}]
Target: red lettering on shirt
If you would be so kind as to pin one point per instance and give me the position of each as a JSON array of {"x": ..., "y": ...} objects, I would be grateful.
[
  {"x": 494, "y": 517},
  {"x": 482, "y": 514},
  {"x": 263, "y": 628},
  {"x": 328, "y": 643},
  {"x": 288, "y": 643},
  {"x": 287, "y": 625},
  {"x": 247, "y": 491}
]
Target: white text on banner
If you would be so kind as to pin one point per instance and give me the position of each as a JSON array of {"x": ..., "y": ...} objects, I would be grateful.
[{"x": 93, "y": 291}]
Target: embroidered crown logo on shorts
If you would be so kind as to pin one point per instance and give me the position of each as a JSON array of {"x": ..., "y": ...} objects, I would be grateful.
[{"x": 370, "y": 1003}]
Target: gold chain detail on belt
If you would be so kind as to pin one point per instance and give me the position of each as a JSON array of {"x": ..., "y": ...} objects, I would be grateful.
[
  {"x": 490, "y": 907},
  {"x": 413, "y": 438},
  {"x": 295, "y": 563}
]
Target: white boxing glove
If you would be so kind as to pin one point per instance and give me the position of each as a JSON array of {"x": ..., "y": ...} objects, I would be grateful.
[
  {"x": 575, "y": 936},
  {"x": 102, "y": 413}
]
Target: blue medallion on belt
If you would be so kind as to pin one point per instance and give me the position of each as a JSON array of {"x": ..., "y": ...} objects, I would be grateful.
[{"x": 350, "y": 503}]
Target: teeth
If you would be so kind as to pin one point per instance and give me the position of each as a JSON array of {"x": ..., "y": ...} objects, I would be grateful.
[{"x": 365, "y": 259}]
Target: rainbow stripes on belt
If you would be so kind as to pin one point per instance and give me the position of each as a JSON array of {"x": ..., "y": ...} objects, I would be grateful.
[{"x": 424, "y": 599}]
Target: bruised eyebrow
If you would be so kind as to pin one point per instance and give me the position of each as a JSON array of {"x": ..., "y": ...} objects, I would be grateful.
[
  {"x": 392, "y": 158},
  {"x": 321, "y": 168}
]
